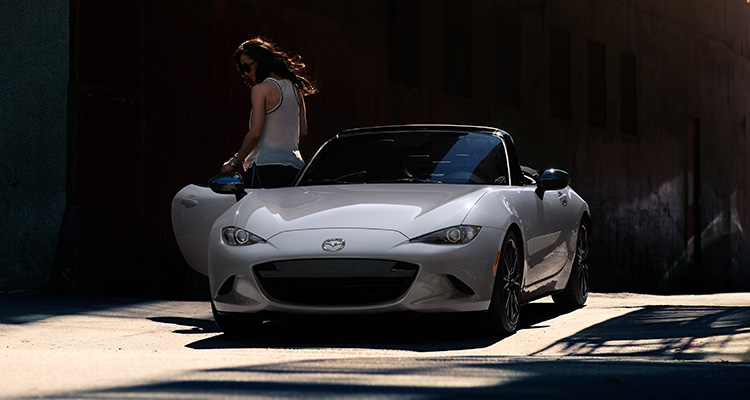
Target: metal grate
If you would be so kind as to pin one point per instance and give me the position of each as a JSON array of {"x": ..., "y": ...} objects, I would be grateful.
[{"x": 335, "y": 281}]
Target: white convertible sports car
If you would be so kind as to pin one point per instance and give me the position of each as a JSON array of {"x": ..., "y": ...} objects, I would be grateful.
[{"x": 420, "y": 218}]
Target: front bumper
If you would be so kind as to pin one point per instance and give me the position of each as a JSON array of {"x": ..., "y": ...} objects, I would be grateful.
[{"x": 444, "y": 278}]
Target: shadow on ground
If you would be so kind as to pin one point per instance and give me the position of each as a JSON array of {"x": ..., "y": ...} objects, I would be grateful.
[
  {"x": 662, "y": 332},
  {"x": 476, "y": 377},
  {"x": 690, "y": 333},
  {"x": 668, "y": 331},
  {"x": 404, "y": 332},
  {"x": 26, "y": 307}
]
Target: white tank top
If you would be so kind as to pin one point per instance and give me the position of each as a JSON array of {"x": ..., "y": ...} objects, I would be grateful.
[{"x": 280, "y": 136}]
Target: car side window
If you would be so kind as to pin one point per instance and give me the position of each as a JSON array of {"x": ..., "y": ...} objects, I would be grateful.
[
  {"x": 501, "y": 163},
  {"x": 516, "y": 175}
]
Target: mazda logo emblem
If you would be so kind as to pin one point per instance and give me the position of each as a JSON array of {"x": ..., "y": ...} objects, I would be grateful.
[{"x": 335, "y": 244}]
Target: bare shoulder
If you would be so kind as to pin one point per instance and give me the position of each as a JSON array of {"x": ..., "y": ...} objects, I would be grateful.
[
  {"x": 263, "y": 87},
  {"x": 262, "y": 90}
]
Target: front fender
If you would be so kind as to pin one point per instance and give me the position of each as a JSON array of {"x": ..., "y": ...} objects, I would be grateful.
[{"x": 494, "y": 210}]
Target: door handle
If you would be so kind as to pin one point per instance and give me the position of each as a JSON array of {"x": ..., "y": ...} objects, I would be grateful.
[{"x": 189, "y": 201}]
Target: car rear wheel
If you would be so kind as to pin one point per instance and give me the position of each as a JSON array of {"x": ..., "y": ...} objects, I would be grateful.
[
  {"x": 577, "y": 290},
  {"x": 505, "y": 307},
  {"x": 235, "y": 324}
]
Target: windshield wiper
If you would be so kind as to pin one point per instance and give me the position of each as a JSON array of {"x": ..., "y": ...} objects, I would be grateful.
[
  {"x": 342, "y": 177},
  {"x": 335, "y": 181},
  {"x": 405, "y": 180}
]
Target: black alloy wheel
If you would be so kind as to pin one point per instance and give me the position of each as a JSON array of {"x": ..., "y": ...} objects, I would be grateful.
[
  {"x": 577, "y": 290},
  {"x": 505, "y": 307}
]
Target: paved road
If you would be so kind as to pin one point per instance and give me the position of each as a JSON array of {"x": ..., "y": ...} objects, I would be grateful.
[{"x": 618, "y": 346}]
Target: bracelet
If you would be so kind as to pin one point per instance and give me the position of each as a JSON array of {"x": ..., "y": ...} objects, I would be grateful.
[{"x": 235, "y": 162}]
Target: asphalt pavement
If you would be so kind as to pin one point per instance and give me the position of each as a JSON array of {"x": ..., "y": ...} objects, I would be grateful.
[{"x": 619, "y": 346}]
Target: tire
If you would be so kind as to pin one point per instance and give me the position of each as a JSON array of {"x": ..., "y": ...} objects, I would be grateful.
[
  {"x": 505, "y": 306},
  {"x": 576, "y": 291},
  {"x": 234, "y": 324}
]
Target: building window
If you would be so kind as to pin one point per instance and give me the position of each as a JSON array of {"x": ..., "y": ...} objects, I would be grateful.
[
  {"x": 457, "y": 51},
  {"x": 628, "y": 94},
  {"x": 597, "y": 84},
  {"x": 560, "y": 73},
  {"x": 403, "y": 42},
  {"x": 508, "y": 58}
]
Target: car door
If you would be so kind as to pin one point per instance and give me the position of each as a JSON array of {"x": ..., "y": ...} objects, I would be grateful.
[
  {"x": 545, "y": 230},
  {"x": 194, "y": 210},
  {"x": 552, "y": 247},
  {"x": 538, "y": 231}
]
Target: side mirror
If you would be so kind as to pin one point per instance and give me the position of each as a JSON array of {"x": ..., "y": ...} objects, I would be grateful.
[
  {"x": 552, "y": 179},
  {"x": 228, "y": 183}
]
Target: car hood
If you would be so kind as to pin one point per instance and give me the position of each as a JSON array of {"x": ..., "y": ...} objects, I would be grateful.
[{"x": 412, "y": 209}]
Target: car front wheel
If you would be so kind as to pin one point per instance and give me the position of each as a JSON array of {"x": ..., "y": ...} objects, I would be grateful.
[{"x": 505, "y": 307}]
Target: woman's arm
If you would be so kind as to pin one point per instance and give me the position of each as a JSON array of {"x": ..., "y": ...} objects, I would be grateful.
[{"x": 258, "y": 100}]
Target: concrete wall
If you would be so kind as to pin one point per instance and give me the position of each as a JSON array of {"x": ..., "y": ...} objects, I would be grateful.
[{"x": 34, "y": 59}]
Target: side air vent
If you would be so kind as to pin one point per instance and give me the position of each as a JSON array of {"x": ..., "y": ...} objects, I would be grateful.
[
  {"x": 460, "y": 285},
  {"x": 227, "y": 286}
]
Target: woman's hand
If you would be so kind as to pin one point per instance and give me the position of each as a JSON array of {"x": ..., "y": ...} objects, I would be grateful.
[
  {"x": 228, "y": 167},
  {"x": 233, "y": 164}
]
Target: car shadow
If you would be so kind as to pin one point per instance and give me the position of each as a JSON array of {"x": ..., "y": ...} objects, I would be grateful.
[
  {"x": 690, "y": 333},
  {"x": 191, "y": 325},
  {"x": 423, "y": 333}
]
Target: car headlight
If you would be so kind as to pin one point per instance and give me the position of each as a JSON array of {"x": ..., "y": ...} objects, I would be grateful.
[
  {"x": 234, "y": 236},
  {"x": 454, "y": 235}
]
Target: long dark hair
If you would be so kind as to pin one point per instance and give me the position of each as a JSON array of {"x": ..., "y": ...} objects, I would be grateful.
[{"x": 272, "y": 59}]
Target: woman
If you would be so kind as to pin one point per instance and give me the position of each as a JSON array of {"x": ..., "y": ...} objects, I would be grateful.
[{"x": 278, "y": 119}]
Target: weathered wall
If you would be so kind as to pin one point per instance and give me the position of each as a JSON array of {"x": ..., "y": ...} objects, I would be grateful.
[
  {"x": 692, "y": 63},
  {"x": 33, "y": 98}
]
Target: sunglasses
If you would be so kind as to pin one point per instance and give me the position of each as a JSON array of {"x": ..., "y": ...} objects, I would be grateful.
[{"x": 245, "y": 68}]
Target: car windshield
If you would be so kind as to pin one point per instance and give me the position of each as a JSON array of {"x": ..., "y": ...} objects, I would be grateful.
[{"x": 409, "y": 157}]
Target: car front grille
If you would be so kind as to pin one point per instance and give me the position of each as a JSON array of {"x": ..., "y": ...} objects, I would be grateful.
[{"x": 335, "y": 282}]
